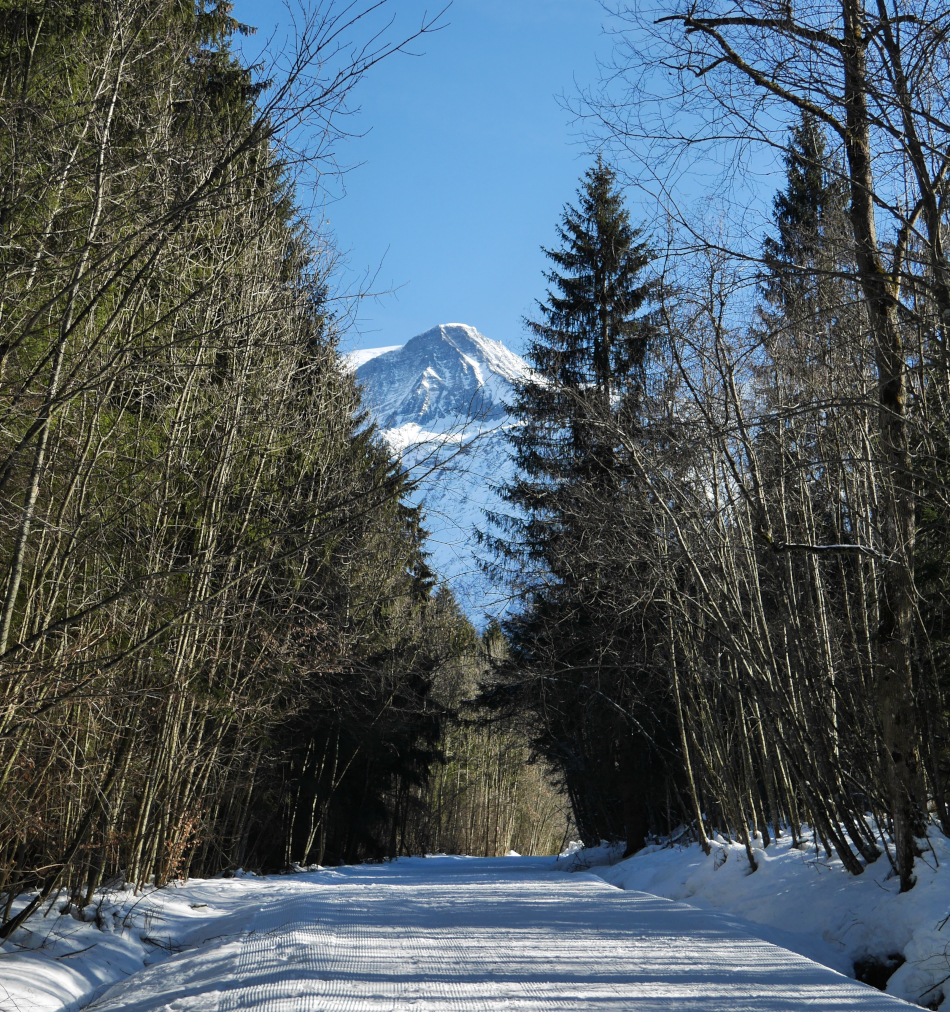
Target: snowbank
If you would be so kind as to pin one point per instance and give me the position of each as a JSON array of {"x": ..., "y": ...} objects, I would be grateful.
[
  {"x": 61, "y": 962},
  {"x": 809, "y": 904}
]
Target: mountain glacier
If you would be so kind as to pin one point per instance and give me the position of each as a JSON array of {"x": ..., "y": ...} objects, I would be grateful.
[{"x": 439, "y": 401}]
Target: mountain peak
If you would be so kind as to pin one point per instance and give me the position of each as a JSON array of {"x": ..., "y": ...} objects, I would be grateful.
[
  {"x": 449, "y": 375},
  {"x": 439, "y": 400}
]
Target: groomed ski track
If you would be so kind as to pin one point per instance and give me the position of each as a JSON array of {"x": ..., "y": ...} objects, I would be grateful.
[{"x": 471, "y": 935}]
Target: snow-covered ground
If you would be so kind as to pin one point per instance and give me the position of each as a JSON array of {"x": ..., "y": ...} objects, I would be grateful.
[
  {"x": 810, "y": 904},
  {"x": 446, "y": 934}
]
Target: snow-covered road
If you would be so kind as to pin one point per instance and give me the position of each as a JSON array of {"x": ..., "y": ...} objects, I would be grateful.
[{"x": 454, "y": 934}]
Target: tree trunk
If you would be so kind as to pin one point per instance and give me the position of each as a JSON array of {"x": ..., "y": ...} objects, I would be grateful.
[{"x": 892, "y": 681}]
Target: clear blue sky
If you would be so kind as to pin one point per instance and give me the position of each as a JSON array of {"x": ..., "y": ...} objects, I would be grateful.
[{"x": 467, "y": 160}]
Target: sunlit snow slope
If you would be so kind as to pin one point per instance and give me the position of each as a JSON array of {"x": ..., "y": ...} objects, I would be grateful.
[{"x": 440, "y": 402}]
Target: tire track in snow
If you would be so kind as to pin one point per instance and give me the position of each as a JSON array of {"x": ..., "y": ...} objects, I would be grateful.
[{"x": 302, "y": 954}]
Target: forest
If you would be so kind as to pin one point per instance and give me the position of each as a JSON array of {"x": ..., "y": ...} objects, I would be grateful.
[
  {"x": 729, "y": 529},
  {"x": 221, "y": 644}
]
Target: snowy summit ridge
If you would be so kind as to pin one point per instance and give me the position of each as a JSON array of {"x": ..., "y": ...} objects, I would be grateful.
[
  {"x": 439, "y": 401},
  {"x": 447, "y": 376}
]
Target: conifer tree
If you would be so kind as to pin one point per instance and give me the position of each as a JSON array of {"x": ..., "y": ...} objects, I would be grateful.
[
  {"x": 573, "y": 647},
  {"x": 217, "y": 625},
  {"x": 589, "y": 344},
  {"x": 806, "y": 213},
  {"x": 587, "y": 354},
  {"x": 812, "y": 312}
]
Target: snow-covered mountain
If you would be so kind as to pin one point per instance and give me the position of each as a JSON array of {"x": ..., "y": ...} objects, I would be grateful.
[{"x": 440, "y": 402}]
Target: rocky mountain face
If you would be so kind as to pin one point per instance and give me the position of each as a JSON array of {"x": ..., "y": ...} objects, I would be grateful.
[{"x": 440, "y": 402}]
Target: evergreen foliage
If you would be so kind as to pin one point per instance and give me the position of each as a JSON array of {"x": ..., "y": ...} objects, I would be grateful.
[
  {"x": 576, "y": 659},
  {"x": 589, "y": 342},
  {"x": 705, "y": 634},
  {"x": 218, "y": 631},
  {"x": 808, "y": 215}
]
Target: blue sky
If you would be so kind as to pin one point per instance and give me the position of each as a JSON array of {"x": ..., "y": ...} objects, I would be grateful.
[{"x": 466, "y": 161}]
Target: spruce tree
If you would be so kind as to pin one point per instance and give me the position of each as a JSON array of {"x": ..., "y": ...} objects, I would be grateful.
[
  {"x": 587, "y": 353},
  {"x": 805, "y": 257},
  {"x": 588, "y": 343},
  {"x": 573, "y": 646}
]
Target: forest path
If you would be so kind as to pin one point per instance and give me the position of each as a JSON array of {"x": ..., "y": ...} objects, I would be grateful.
[{"x": 471, "y": 935}]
